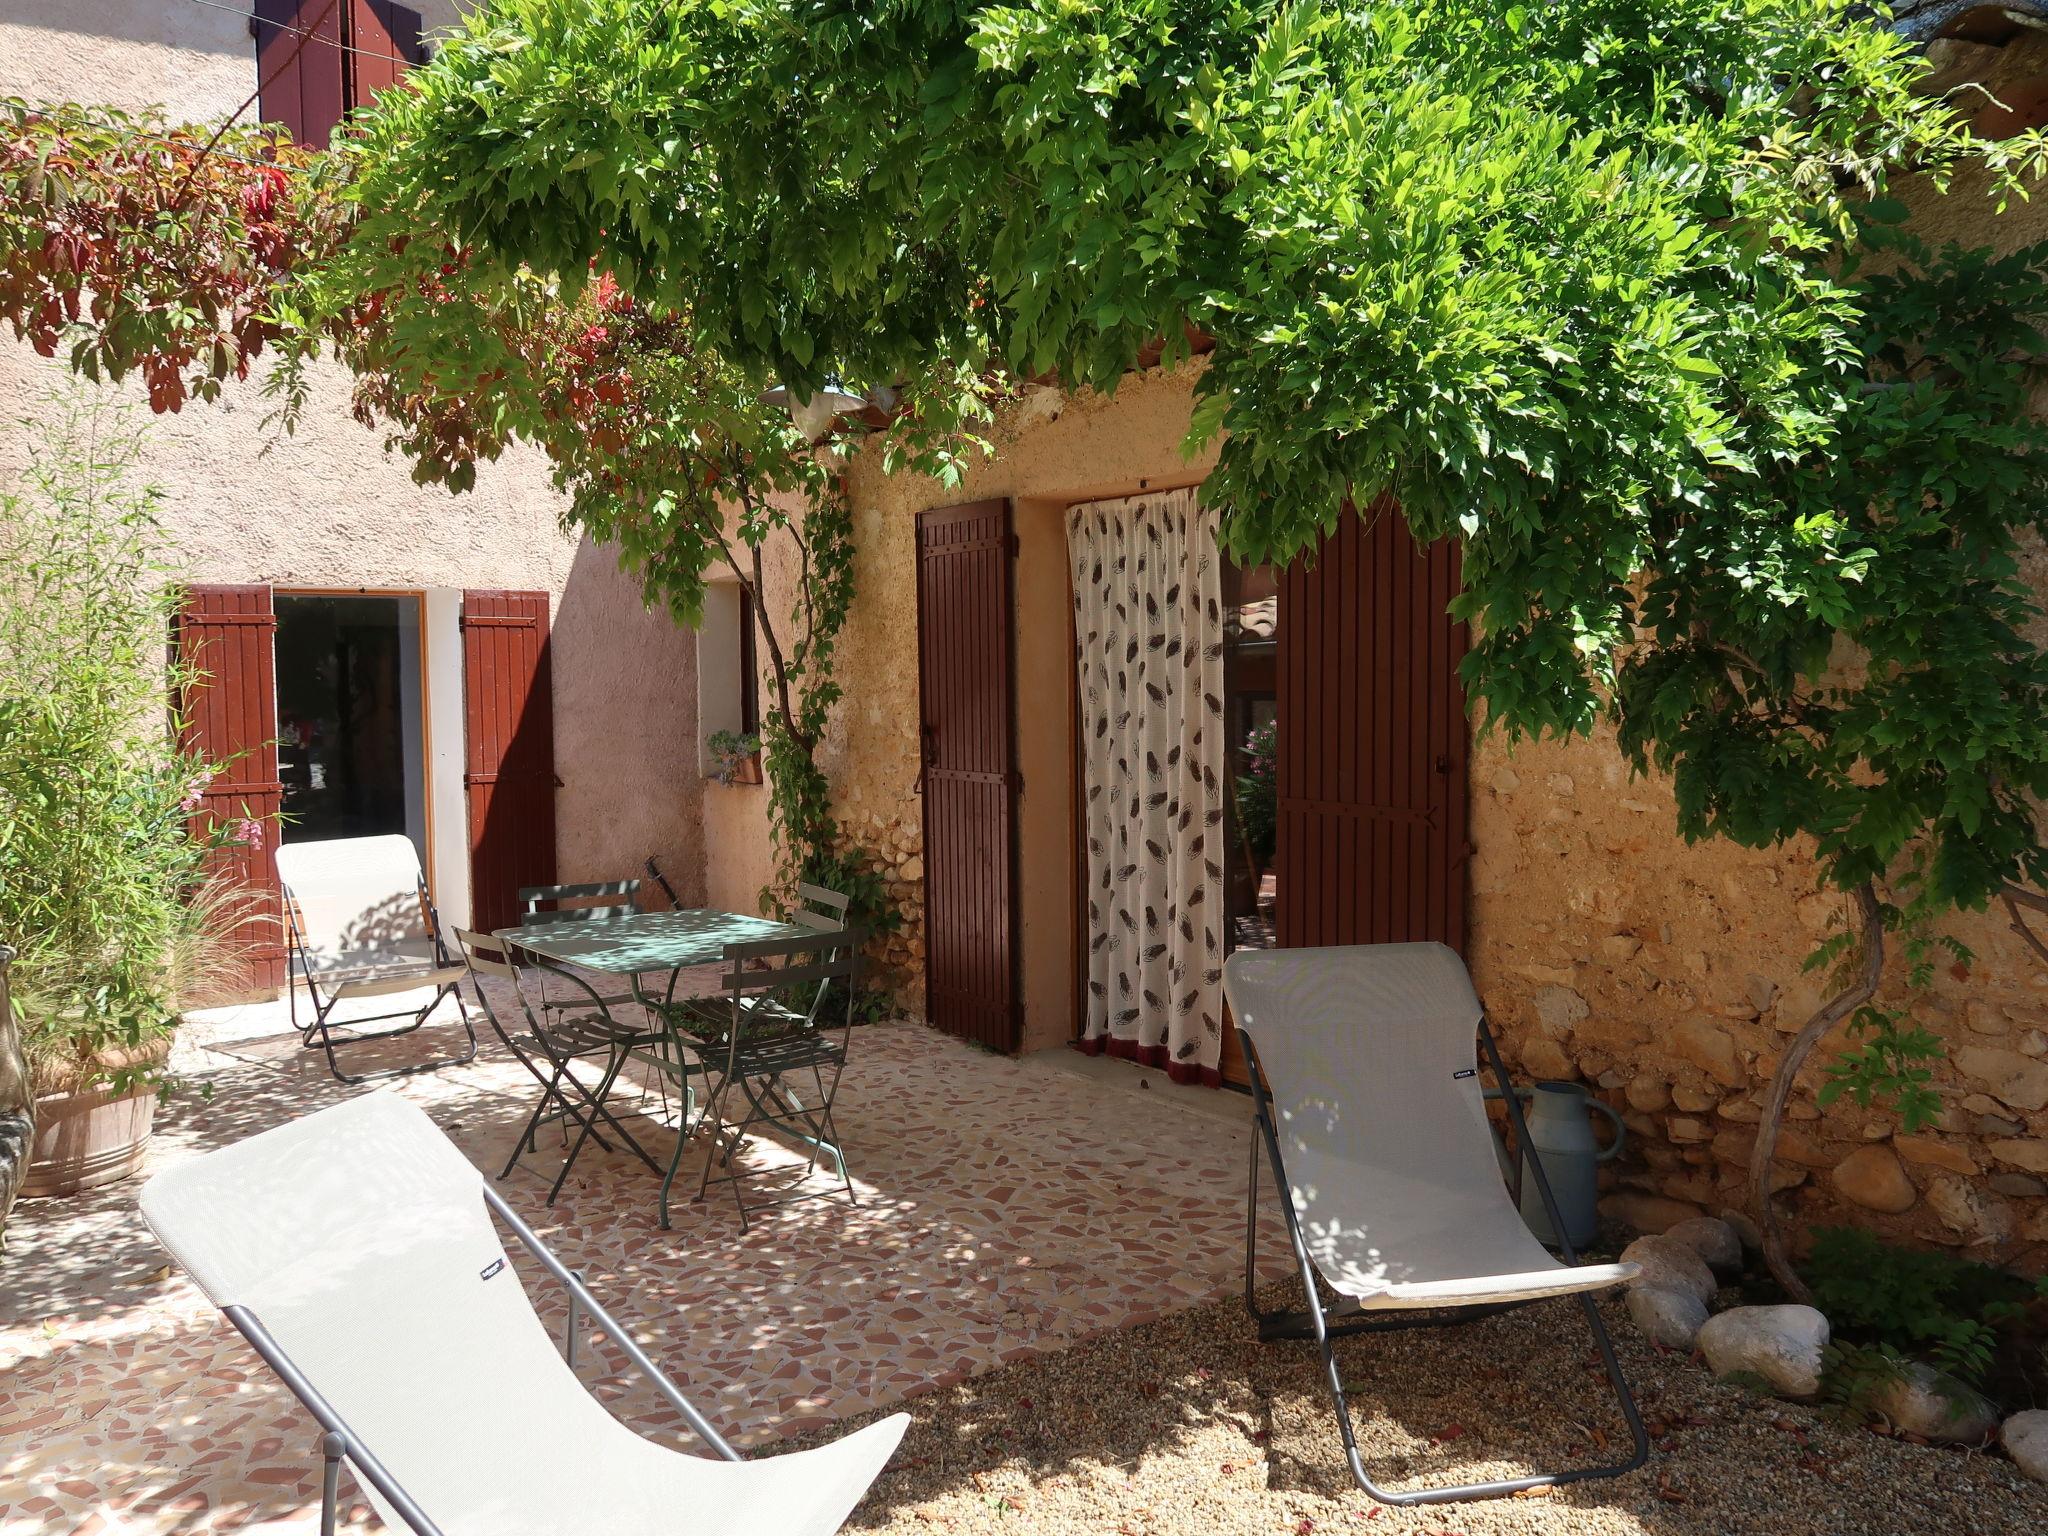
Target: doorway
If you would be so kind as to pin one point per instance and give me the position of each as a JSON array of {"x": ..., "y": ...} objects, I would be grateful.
[{"x": 351, "y": 717}]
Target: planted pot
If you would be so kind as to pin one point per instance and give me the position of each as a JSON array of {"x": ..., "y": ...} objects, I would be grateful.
[{"x": 94, "y": 1135}]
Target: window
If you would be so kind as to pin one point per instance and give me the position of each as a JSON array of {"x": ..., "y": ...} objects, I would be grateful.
[
  {"x": 318, "y": 60},
  {"x": 728, "y": 684}
]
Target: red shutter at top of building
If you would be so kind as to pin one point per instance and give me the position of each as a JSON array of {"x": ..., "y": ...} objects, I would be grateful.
[
  {"x": 229, "y": 715},
  {"x": 1372, "y": 836},
  {"x": 384, "y": 40},
  {"x": 509, "y": 776},
  {"x": 299, "y": 66}
]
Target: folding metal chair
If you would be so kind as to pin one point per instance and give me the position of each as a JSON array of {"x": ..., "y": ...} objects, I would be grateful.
[
  {"x": 550, "y": 1045},
  {"x": 789, "y": 1012},
  {"x": 360, "y": 926},
  {"x": 1369, "y": 1110},
  {"x": 355, "y": 1250}
]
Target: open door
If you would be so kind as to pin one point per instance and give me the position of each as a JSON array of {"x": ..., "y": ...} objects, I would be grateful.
[
  {"x": 967, "y": 709},
  {"x": 1372, "y": 820},
  {"x": 509, "y": 778}
]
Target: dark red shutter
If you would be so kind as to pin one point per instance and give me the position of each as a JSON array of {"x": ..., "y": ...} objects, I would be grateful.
[
  {"x": 509, "y": 772},
  {"x": 228, "y": 634},
  {"x": 299, "y": 65},
  {"x": 1372, "y": 845},
  {"x": 968, "y": 710},
  {"x": 385, "y": 42}
]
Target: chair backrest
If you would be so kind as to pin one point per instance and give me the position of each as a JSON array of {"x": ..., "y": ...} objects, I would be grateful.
[
  {"x": 591, "y": 902},
  {"x": 798, "y": 973},
  {"x": 1370, "y": 1056},
  {"x": 358, "y": 1237},
  {"x": 356, "y": 904}
]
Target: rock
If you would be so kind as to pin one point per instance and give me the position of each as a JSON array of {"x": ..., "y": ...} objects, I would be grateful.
[
  {"x": 1645, "y": 1213},
  {"x": 2007, "y": 1076},
  {"x": 1712, "y": 1239},
  {"x": 2025, "y": 1438},
  {"x": 1873, "y": 1177},
  {"x": 1923, "y": 1401},
  {"x": 1670, "y": 1265},
  {"x": 1780, "y": 1344},
  {"x": 1925, "y": 1151},
  {"x": 1506, "y": 781},
  {"x": 1982, "y": 1218},
  {"x": 1620, "y": 947},
  {"x": 1648, "y": 1093},
  {"x": 2028, "y": 1152},
  {"x": 2021, "y": 1186},
  {"x": 1668, "y": 1318},
  {"x": 1712, "y": 1049},
  {"x": 1744, "y": 1226},
  {"x": 1558, "y": 1010},
  {"x": 1545, "y": 1059},
  {"x": 1684, "y": 1130},
  {"x": 1694, "y": 1099}
]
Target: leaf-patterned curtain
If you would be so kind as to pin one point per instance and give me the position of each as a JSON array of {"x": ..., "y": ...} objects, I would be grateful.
[{"x": 1149, "y": 646}]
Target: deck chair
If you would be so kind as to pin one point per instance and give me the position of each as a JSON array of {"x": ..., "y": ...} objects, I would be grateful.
[
  {"x": 360, "y": 926},
  {"x": 549, "y": 1043},
  {"x": 354, "y": 1249},
  {"x": 1368, "y": 1103}
]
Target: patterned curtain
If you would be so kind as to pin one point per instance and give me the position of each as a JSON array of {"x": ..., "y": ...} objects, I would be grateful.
[{"x": 1148, "y": 625}]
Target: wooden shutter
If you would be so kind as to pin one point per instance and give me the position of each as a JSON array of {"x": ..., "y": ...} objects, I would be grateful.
[
  {"x": 229, "y": 714},
  {"x": 967, "y": 707},
  {"x": 384, "y": 40},
  {"x": 509, "y": 776},
  {"x": 300, "y": 65},
  {"x": 1372, "y": 844}
]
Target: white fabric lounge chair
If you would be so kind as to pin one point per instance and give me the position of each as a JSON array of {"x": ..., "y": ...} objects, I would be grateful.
[
  {"x": 1369, "y": 1108},
  {"x": 354, "y": 1249},
  {"x": 361, "y": 927}
]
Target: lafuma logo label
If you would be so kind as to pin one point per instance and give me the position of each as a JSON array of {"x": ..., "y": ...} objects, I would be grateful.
[{"x": 491, "y": 1269}]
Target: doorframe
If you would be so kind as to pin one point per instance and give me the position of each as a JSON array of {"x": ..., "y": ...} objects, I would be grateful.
[{"x": 419, "y": 602}]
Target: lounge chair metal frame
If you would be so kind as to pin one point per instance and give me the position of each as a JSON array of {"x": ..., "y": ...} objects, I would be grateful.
[
  {"x": 327, "y": 989},
  {"x": 1316, "y": 1323},
  {"x": 338, "y": 1443}
]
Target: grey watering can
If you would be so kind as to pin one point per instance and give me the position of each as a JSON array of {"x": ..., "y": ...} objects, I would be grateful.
[{"x": 1571, "y": 1155}]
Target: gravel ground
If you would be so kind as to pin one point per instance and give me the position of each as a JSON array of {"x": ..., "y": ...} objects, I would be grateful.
[{"x": 1189, "y": 1425}]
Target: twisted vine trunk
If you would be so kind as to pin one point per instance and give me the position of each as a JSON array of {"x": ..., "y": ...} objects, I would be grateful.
[
  {"x": 17, "y": 1103},
  {"x": 1869, "y": 972}
]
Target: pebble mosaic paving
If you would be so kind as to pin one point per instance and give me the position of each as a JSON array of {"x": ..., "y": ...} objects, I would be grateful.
[{"x": 1005, "y": 1207}]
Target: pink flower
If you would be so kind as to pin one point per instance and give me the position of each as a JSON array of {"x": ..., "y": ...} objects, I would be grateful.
[{"x": 248, "y": 832}]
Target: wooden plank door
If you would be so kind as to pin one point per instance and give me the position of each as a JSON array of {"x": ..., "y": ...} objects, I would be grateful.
[
  {"x": 967, "y": 705},
  {"x": 228, "y": 635},
  {"x": 1373, "y": 742},
  {"x": 509, "y": 757}
]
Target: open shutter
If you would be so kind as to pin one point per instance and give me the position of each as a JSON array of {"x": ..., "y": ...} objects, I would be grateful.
[
  {"x": 300, "y": 65},
  {"x": 229, "y": 715},
  {"x": 509, "y": 776},
  {"x": 385, "y": 40},
  {"x": 1372, "y": 844},
  {"x": 968, "y": 709}
]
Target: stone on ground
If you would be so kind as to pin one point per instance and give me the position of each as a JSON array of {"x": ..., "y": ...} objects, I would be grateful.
[
  {"x": 1936, "y": 1407},
  {"x": 1669, "y": 1265},
  {"x": 1713, "y": 1240},
  {"x": 1780, "y": 1344},
  {"x": 1668, "y": 1318},
  {"x": 2025, "y": 1438}
]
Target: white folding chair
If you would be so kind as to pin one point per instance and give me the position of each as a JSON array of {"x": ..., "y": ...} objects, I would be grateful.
[
  {"x": 355, "y": 1250},
  {"x": 361, "y": 927},
  {"x": 1366, "y": 1086}
]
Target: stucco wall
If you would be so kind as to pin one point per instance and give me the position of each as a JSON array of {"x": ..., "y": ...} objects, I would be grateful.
[{"x": 327, "y": 507}]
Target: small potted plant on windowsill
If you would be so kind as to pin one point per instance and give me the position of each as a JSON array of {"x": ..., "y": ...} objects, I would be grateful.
[{"x": 734, "y": 758}]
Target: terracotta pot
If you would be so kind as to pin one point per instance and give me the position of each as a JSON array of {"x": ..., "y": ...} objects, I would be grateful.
[{"x": 92, "y": 1137}]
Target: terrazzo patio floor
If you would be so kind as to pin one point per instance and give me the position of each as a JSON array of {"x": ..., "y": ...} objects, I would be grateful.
[{"x": 1005, "y": 1208}]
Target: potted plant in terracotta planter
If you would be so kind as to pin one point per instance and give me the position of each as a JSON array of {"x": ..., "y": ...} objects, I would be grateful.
[{"x": 104, "y": 892}]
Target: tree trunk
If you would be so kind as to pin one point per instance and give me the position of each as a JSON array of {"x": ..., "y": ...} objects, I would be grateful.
[
  {"x": 1870, "y": 970},
  {"x": 17, "y": 1103}
]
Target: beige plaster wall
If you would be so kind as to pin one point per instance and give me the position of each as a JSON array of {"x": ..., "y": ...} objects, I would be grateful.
[{"x": 328, "y": 507}]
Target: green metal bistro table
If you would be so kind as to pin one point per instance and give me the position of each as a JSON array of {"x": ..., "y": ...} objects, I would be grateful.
[{"x": 647, "y": 943}]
